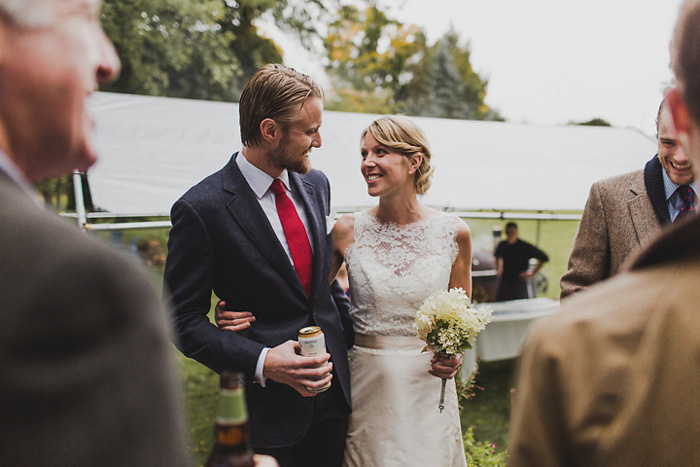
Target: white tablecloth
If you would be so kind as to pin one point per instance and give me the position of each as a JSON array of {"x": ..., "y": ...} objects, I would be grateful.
[{"x": 504, "y": 335}]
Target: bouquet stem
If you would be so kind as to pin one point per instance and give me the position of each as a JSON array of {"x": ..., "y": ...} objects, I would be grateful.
[{"x": 441, "y": 406}]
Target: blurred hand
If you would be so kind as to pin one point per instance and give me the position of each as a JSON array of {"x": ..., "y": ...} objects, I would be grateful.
[
  {"x": 526, "y": 275},
  {"x": 284, "y": 365},
  {"x": 232, "y": 320},
  {"x": 445, "y": 367}
]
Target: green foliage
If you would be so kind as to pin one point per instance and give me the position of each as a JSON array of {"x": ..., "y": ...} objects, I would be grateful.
[
  {"x": 480, "y": 453},
  {"x": 380, "y": 65},
  {"x": 172, "y": 47},
  {"x": 593, "y": 122},
  {"x": 452, "y": 88},
  {"x": 372, "y": 59},
  {"x": 57, "y": 193},
  {"x": 204, "y": 49}
]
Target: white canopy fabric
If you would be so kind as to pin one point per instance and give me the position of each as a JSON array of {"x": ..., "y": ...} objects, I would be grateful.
[{"x": 152, "y": 149}]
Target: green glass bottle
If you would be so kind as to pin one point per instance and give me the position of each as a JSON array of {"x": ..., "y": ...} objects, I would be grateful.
[{"x": 231, "y": 444}]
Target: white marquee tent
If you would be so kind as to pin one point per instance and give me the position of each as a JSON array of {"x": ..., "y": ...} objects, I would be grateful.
[{"x": 152, "y": 149}]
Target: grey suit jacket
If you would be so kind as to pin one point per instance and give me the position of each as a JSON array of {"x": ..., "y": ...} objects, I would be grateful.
[
  {"x": 86, "y": 370},
  {"x": 617, "y": 221}
]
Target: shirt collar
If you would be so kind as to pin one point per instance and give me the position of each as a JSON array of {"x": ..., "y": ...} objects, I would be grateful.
[
  {"x": 258, "y": 180},
  {"x": 8, "y": 166},
  {"x": 670, "y": 187}
]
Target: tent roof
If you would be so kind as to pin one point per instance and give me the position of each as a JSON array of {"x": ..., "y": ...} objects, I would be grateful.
[{"x": 152, "y": 149}]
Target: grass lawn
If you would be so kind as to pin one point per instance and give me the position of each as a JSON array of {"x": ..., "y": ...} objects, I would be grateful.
[{"x": 489, "y": 410}]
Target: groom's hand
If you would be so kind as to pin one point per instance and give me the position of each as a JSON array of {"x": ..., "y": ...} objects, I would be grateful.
[{"x": 285, "y": 366}]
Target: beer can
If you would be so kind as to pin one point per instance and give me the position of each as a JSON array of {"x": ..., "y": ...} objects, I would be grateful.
[{"x": 313, "y": 343}]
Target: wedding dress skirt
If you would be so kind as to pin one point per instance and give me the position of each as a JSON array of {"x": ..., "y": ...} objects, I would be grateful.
[{"x": 397, "y": 421}]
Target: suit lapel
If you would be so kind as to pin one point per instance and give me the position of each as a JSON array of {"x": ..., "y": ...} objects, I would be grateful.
[
  {"x": 250, "y": 217},
  {"x": 317, "y": 227},
  {"x": 641, "y": 212}
]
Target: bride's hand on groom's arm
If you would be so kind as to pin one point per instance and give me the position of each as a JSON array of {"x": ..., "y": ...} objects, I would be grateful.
[
  {"x": 284, "y": 365},
  {"x": 232, "y": 320},
  {"x": 443, "y": 367}
]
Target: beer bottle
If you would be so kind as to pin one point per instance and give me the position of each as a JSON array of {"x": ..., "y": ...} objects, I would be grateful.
[{"x": 231, "y": 445}]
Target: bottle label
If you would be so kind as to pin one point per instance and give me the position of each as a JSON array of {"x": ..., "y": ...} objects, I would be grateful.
[{"x": 231, "y": 408}]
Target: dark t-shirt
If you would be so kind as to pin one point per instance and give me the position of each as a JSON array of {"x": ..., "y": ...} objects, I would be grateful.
[{"x": 516, "y": 258}]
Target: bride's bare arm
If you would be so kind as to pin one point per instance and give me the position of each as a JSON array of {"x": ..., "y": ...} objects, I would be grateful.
[
  {"x": 461, "y": 275},
  {"x": 232, "y": 320},
  {"x": 343, "y": 236}
]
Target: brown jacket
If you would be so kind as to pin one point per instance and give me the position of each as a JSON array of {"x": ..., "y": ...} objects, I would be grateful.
[
  {"x": 612, "y": 379},
  {"x": 617, "y": 221}
]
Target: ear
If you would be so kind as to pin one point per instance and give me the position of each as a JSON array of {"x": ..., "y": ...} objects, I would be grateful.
[
  {"x": 681, "y": 116},
  {"x": 414, "y": 162},
  {"x": 269, "y": 130}
]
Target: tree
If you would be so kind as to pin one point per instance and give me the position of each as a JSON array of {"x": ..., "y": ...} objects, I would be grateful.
[
  {"x": 380, "y": 65},
  {"x": 372, "y": 60},
  {"x": 206, "y": 49},
  {"x": 172, "y": 47},
  {"x": 453, "y": 89},
  {"x": 592, "y": 122}
]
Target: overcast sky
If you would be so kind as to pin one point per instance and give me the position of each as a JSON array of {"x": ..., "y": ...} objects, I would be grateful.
[{"x": 554, "y": 61}]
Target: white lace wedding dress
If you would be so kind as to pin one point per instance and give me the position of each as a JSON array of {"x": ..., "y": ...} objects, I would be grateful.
[{"x": 395, "y": 420}]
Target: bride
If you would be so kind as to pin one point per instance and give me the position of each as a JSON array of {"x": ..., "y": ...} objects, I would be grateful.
[{"x": 397, "y": 254}]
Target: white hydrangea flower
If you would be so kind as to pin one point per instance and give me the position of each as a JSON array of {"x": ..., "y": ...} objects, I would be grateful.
[{"x": 448, "y": 322}]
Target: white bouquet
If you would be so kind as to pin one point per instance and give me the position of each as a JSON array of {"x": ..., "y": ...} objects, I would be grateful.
[{"x": 448, "y": 323}]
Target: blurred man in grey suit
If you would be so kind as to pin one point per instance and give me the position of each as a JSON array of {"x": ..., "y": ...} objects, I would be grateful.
[
  {"x": 86, "y": 376},
  {"x": 612, "y": 379}
]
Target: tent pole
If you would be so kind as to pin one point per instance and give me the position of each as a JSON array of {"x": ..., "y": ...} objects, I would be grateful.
[{"x": 79, "y": 200}]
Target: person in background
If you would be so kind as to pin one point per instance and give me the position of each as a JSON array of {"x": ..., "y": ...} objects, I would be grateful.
[
  {"x": 255, "y": 233},
  {"x": 513, "y": 265},
  {"x": 87, "y": 368},
  {"x": 612, "y": 379},
  {"x": 626, "y": 212}
]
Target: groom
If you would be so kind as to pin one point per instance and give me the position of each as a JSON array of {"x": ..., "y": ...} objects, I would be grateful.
[{"x": 255, "y": 233}]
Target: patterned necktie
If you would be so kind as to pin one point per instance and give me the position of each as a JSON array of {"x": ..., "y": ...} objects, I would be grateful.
[
  {"x": 298, "y": 241},
  {"x": 687, "y": 195}
]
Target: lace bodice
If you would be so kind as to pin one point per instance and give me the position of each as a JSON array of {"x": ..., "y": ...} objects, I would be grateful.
[{"x": 392, "y": 269}]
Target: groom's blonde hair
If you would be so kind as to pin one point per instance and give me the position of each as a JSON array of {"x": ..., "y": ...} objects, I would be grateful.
[{"x": 402, "y": 135}]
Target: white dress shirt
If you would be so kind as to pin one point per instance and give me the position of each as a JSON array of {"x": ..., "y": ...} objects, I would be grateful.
[
  {"x": 260, "y": 183},
  {"x": 8, "y": 166}
]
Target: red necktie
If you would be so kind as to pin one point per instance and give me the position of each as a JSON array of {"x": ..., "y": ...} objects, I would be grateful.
[{"x": 298, "y": 241}]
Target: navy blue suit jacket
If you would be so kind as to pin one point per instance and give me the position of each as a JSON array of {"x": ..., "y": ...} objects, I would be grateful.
[{"x": 221, "y": 240}]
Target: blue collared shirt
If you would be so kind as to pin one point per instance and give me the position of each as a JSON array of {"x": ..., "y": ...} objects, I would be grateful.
[{"x": 673, "y": 199}]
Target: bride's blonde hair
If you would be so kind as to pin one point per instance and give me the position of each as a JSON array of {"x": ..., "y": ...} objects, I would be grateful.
[{"x": 405, "y": 137}]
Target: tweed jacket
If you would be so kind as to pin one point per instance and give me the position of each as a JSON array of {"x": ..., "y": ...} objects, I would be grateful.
[
  {"x": 612, "y": 378},
  {"x": 87, "y": 368},
  {"x": 622, "y": 214}
]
